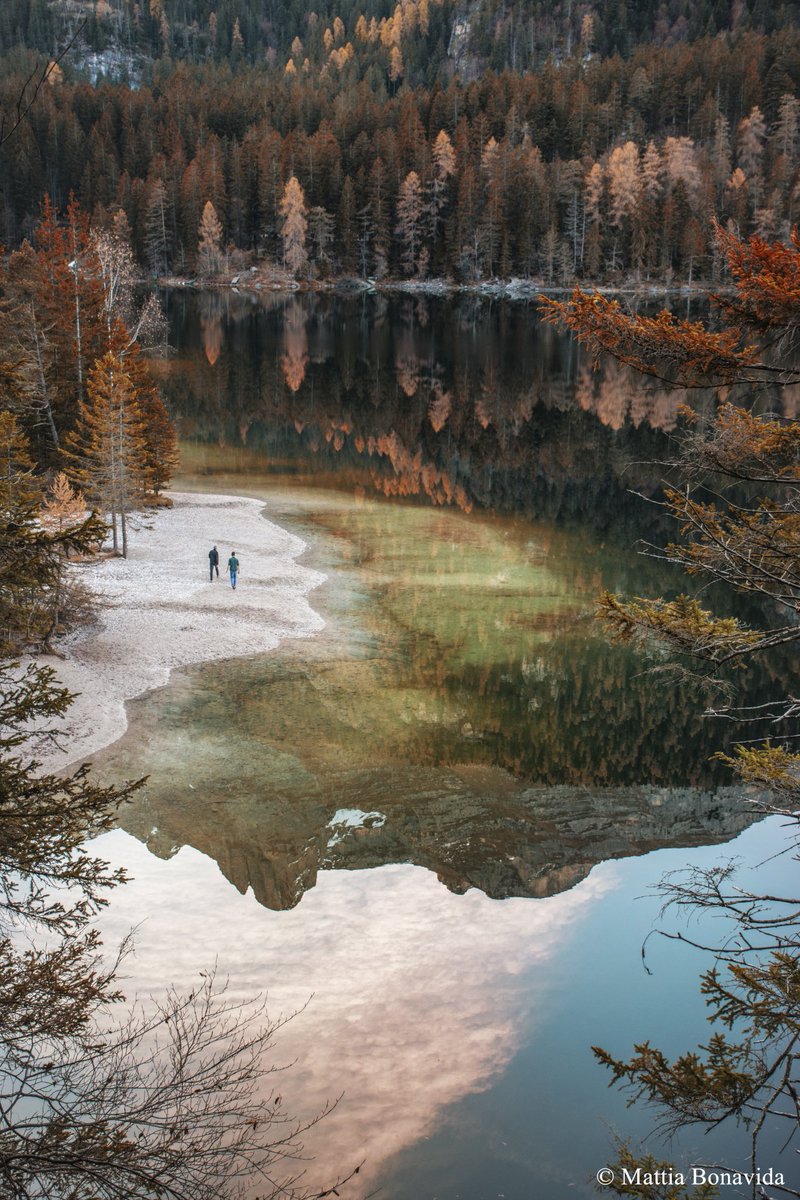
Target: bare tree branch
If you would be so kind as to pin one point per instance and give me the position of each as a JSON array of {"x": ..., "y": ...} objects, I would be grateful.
[{"x": 32, "y": 87}]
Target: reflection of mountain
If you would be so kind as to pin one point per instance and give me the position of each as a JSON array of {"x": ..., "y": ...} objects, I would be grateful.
[
  {"x": 476, "y": 405},
  {"x": 472, "y": 827},
  {"x": 418, "y": 998}
]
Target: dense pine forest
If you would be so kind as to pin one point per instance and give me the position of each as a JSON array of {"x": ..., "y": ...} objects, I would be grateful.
[
  {"x": 468, "y": 141},
  {"x": 518, "y": 36}
]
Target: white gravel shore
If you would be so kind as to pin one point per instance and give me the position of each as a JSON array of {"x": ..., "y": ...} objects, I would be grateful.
[{"x": 158, "y": 610}]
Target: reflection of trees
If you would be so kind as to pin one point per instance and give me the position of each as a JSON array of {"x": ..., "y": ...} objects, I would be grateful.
[
  {"x": 573, "y": 711},
  {"x": 619, "y": 396},
  {"x": 295, "y": 344},
  {"x": 210, "y": 306},
  {"x": 408, "y": 373},
  {"x": 439, "y": 408},
  {"x": 790, "y": 401},
  {"x": 412, "y": 475},
  {"x": 475, "y": 405},
  {"x": 583, "y": 714},
  {"x": 499, "y": 658}
]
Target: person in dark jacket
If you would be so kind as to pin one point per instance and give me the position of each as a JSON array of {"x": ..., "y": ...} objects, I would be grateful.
[{"x": 213, "y": 563}]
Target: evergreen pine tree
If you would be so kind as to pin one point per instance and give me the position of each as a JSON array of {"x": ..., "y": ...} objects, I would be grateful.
[
  {"x": 32, "y": 595},
  {"x": 107, "y": 447}
]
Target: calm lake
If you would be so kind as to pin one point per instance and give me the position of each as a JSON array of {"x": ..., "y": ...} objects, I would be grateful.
[{"x": 437, "y": 824}]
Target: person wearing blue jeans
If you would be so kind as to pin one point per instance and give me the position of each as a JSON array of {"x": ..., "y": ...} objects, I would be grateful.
[{"x": 233, "y": 568}]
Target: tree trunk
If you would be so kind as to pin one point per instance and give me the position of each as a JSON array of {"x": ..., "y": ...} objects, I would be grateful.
[
  {"x": 78, "y": 337},
  {"x": 43, "y": 386}
]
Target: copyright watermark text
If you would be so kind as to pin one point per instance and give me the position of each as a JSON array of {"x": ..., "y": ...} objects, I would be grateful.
[{"x": 717, "y": 1176}]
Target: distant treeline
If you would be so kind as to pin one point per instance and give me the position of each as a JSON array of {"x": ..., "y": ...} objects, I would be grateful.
[
  {"x": 517, "y": 35},
  {"x": 590, "y": 167}
]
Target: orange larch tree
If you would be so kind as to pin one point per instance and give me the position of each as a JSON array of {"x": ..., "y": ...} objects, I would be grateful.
[{"x": 107, "y": 446}]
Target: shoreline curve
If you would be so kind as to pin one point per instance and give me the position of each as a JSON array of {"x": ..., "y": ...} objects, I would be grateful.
[{"x": 158, "y": 611}]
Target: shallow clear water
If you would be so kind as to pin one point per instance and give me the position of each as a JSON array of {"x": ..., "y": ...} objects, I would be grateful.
[
  {"x": 425, "y": 816},
  {"x": 461, "y": 690}
]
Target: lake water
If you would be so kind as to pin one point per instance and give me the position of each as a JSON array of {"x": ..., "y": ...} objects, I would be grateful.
[{"x": 440, "y": 819}]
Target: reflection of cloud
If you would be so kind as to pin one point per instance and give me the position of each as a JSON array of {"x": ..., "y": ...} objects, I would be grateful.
[{"x": 419, "y": 996}]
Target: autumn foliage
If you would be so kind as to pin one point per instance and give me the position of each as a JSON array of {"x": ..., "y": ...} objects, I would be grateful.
[
  {"x": 67, "y": 302},
  {"x": 688, "y": 353},
  {"x": 736, "y": 510},
  {"x": 505, "y": 159}
]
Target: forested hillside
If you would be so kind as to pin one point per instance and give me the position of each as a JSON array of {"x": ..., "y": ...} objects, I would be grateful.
[
  {"x": 422, "y": 139},
  {"x": 519, "y": 35}
]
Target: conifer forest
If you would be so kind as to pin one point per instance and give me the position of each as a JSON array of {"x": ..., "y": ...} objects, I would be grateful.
[{"x": 469, "y": 141}]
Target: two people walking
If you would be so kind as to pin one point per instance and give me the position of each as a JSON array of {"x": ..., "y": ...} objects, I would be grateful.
[{"x": 213, "y": 566}]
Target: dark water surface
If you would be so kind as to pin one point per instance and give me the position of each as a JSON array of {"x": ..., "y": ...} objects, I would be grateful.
[{"x": 412, "y": 806}]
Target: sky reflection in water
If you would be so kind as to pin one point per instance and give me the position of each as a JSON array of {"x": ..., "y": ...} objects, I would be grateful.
[
  {"x": 457, "y": 1028},
  {"x": 418, "y": 997}
]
